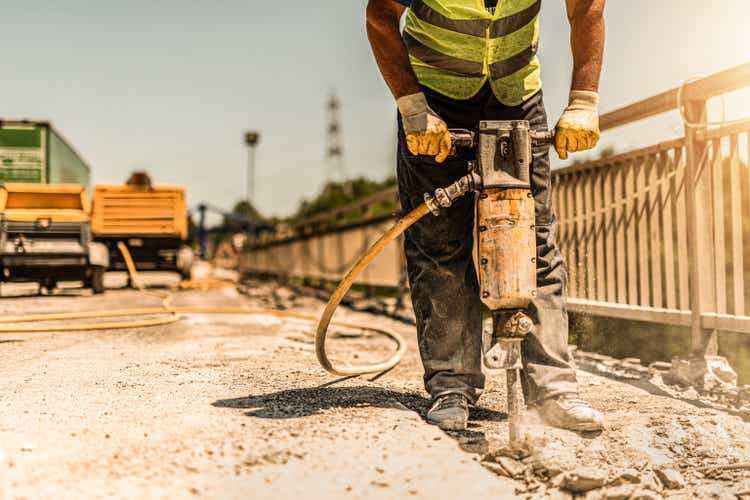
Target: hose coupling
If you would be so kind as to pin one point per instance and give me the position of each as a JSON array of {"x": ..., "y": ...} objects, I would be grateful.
[
  {"x": 518, "y": 326},
  {"x": 445, "y": 197}
]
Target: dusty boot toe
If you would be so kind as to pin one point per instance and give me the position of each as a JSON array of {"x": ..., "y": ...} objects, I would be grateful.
[
  {"x": 572, "y": 413},
  {"x": 449, "y": 412}
]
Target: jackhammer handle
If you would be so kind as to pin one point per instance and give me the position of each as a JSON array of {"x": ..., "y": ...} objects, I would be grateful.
[
  {"x": 464, "y": 138},
  {"x": 542, "y": 137},
  {"x": 461, "y": 137}
]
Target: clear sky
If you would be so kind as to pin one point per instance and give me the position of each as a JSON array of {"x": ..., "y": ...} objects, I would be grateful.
[{"x": 170, "y": 85}]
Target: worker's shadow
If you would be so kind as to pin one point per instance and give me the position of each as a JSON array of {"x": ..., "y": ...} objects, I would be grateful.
[{"x": 297, "y": 403}]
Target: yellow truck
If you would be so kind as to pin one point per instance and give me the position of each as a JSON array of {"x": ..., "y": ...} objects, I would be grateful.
[
  {"x": 150, "y": 219},
  {"x": 45, "y": 236}
]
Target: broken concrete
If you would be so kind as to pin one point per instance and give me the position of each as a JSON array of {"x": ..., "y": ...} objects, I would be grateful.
[
  {"x": 621, "y": 492},
  {"x": 581, "y": 480},
  {"x": 670, "y": 478},
  {"x": 705, "y": 374},
  {"x": 628, "y": 476},
  {"x": 513, "y": 467}
]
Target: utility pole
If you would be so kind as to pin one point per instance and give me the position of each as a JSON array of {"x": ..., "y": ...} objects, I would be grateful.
[
  {"x": 334, "y": 148},
  {"x": 202, "y": 240},
  {"x": 252, "y": 138}
]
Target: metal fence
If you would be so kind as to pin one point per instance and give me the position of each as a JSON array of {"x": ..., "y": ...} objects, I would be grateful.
[
  {"x": 657, "y": 234},
  {"x": 327, "y": 254}
]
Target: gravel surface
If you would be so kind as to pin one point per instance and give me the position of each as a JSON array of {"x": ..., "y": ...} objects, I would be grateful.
[{"x": 237, "y": 407}]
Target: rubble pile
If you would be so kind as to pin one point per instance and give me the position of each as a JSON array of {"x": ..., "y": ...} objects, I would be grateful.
[
  {"x": 549, "y": 471},
  {"x": 649, "y": 455},
  {"x": 552, "y": 471},
  {"x": 711, "y": 381}
]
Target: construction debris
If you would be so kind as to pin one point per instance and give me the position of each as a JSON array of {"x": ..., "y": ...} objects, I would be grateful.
[
  {"x": 713, "y": 372},
  {"x": 713, "y": 382},
  {"x": 581, "y": 480},
  {"x": 670, "y": 478}
]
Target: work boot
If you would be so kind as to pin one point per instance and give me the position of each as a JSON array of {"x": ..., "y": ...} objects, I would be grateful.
[
  {"x": 449, "y": 412},
  {"x": 569, "y": 411}
]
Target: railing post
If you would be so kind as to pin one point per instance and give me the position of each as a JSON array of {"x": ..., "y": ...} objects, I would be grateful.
[{"x": 700, "y": 229}]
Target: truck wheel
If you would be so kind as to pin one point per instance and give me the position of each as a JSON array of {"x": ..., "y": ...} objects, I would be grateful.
[
  {"x": 49, "y": 285},
  {"x": 186, "y": 275},
  {"x": 97, "y": 279}
]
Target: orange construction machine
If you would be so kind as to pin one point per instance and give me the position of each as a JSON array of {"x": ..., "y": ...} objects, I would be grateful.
[
  {"x": 150, "y": 219},
  {"x": 45, "y": 236}
]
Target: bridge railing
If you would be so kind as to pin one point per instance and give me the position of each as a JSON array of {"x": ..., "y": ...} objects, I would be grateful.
[
  {"x": 658, "y": 234},
  {"x": 662, "y": 233},
  {"x": 325, "y": 246}
]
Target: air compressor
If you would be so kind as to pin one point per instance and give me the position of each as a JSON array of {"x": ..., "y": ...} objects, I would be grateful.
[{"x": 500, "y": 175}]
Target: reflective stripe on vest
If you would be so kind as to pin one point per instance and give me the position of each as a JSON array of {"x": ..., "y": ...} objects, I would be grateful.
[
  {"x": 498, "y": 27},
  {"x": 514, "y": 22},
  {"x": 506, "y": 67},
  {"x": 472, "y": 27},
  {"x": 440, "y": 60},
  {"x": 456, "y": 45}
]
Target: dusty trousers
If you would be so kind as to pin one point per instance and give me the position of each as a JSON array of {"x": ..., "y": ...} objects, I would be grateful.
[{"x": 442, "y": 277}]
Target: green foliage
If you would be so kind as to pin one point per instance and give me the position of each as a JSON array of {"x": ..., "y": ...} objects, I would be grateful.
[
  {"x": 333, "y": 195},
  {"x": 246, "y": 209},
  {"x": 338, "y": 194},
  {"x": 229, "y": 225}
]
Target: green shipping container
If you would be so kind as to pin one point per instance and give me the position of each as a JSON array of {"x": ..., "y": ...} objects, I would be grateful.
[{"x": 33, "y": 151}]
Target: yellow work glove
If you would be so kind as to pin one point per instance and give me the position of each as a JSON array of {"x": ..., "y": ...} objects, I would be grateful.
[
  {"x": 578, "y": 127},
  {"x": 426, "y": 133}
]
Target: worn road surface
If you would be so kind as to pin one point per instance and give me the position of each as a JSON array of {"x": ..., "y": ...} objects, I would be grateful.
[{"x": 237, "y": 407}]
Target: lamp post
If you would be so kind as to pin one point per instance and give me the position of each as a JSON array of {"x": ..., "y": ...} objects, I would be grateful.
[{"x": 252, "y": 138}]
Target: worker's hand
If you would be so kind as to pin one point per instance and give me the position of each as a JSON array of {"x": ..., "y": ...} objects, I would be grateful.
[
  {"x": 426, "y": 132},
  {"x": 578, "y": 127}
]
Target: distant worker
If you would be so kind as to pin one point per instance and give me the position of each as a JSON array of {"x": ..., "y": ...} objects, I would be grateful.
[
  {"x": 139, "y": 179},
  {"x": 459, "y": 62}
]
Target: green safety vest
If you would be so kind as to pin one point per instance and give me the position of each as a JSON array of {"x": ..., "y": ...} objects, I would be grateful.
[{"x": 455, "y": 46}]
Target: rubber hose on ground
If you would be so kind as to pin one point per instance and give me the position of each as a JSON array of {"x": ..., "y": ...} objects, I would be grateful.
[
  {"x": 325, "y": 319},
  {"x": 173, "y": 312}
]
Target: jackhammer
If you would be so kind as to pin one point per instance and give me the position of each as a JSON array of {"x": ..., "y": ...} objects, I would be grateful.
[
  {"x": 505, "y": 247},
  {"x": 505, "y": 241}
]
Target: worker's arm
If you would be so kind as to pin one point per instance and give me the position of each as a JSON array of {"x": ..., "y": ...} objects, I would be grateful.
[
  {"x": 383, "y": 18},
  {"x": 587, "y": 42},
  {"x": 578, "y": 128},
  {"x": 426, "y": 133}
]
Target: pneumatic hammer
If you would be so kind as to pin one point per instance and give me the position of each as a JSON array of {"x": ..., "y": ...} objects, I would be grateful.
[{"x": 505, "y": 242}]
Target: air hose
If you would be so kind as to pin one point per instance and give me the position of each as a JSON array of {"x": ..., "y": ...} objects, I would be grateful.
[
  {"x": 338, "y": 294},
  {"x": 173, "y": 313}
]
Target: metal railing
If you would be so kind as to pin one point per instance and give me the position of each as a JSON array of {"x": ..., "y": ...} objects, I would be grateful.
[
  {"x": 328, "y": 254},
  {"x": 657, "y": 234}
]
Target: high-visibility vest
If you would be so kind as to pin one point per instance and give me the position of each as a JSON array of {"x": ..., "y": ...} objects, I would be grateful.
[{"x": 455, "y": 46}]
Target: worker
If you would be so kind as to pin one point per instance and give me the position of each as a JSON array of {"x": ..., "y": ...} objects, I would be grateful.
[{"x": 456, "y": 63}]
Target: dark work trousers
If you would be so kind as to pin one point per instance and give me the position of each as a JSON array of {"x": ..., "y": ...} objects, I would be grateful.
[{"x": 443, "y": 280}]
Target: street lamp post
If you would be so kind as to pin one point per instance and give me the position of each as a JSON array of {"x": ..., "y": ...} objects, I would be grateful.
[{"x": 251, "y": 141}]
